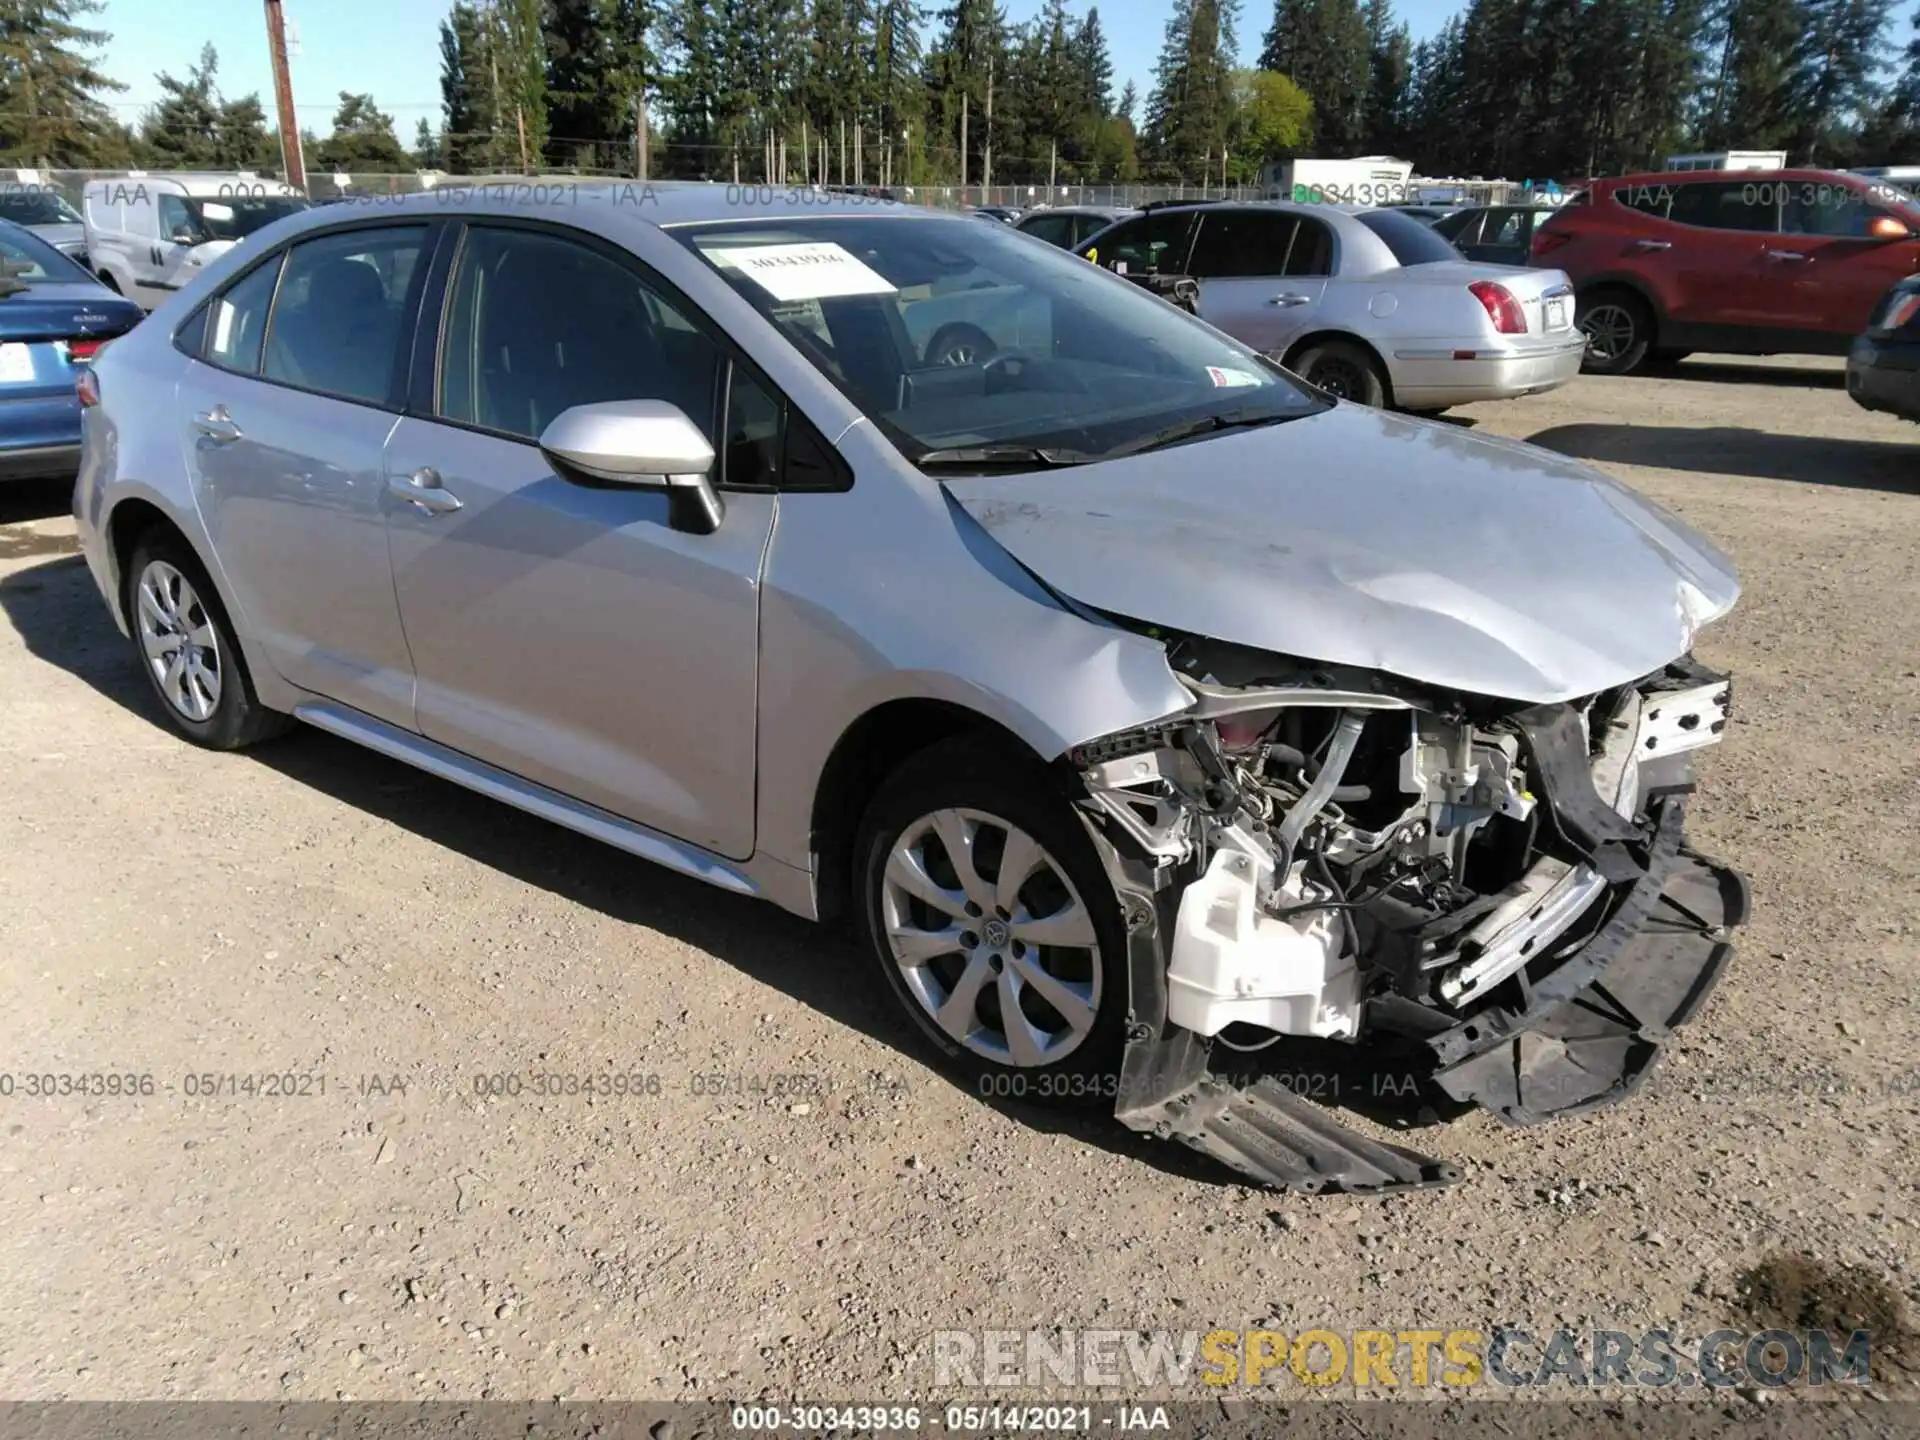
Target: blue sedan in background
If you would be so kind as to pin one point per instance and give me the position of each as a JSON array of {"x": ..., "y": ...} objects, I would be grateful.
[{"x": 54, "y": 317}]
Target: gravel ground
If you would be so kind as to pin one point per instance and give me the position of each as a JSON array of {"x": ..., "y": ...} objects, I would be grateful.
[{"x": 803, "y": 1203}]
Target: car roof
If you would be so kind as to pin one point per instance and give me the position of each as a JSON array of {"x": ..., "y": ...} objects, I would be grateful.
[{"x": 1687, "y": 177}]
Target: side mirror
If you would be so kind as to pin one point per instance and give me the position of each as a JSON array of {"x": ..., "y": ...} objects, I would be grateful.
[
  {"x": 184, "y": 235},
  {"x": 1886, "y": 227},
  {"x": 642, "y": 445}
]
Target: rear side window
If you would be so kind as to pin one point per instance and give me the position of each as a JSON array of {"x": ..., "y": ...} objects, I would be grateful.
[
  {"x": 1651, "y": 200},
  {"x": 1312, "y": 252},
  {"x": 1242, "y": 243},
  {"x": 237, "y": 324},
  {"x": 1411, "y": 242},
  {"x": 1460, "y": 229},
  {"x": 340, "y": 317},
  {"x": 538, "y": 324},
  {"x": 1724, "y": 205}
]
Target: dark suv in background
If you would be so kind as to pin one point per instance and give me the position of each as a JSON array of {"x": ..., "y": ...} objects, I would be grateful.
[{"x": 1757, "y": 262}]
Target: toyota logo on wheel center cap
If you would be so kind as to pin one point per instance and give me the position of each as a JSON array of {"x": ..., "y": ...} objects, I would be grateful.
[{"x": 995, "y": 933}]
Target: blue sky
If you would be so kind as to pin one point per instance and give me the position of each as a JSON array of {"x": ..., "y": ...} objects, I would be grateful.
[{"x": 389, "y": 48}]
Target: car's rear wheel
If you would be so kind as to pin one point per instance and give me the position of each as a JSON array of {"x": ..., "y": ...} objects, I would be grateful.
[
  {"x": 1619, "y": 331},
  {"x": 106, "y": 279},
  {"x": 1344, "y": 370},
  {"x": 188, "y": 650},
  {"x": 959, "y": 345},
  {"x": 993, "y": 924}
]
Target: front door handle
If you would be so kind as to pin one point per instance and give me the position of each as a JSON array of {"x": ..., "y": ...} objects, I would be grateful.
[
  {"x": 1785, "y": 255},
  {"x": 423, "y": 490},
  {"x": 1645, "y": 245},
  {"x": 217, "y": 425},
  {"x": 1291, "y": 299}
]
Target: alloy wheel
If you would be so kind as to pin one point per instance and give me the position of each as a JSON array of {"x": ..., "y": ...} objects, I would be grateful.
[
  {"x": 181, "y": 644},
  {"x": 992, "y": 940},
  {"x": 1609, "y": 330}
]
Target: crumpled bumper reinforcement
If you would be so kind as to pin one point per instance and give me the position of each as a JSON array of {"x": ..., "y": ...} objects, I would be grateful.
[{"x": 1589, "y": 1033}]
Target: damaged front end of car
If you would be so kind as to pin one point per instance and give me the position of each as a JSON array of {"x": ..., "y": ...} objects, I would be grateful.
[{"x": 1503, "y": 890}]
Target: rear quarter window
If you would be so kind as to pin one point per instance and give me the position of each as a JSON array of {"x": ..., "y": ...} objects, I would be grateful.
[{"x": 1411, "y": 242}]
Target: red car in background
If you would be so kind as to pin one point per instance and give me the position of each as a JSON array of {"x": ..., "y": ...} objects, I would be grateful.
[{"x": 1757, "y": 262}]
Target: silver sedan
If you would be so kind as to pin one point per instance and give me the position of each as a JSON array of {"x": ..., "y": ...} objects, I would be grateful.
[
  {"x": 1132, "y": 696},
  {"x": 1368, "y": 304}
]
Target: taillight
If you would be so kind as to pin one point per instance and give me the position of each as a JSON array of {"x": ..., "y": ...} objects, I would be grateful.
[
  {"x": 84, "y": 349},
  {"x": 1505, "y": 312},
  {"x": 1903, "y": 309},
  {"x": 86, "y": 384},
  {"x": 1545, "y": 242}
]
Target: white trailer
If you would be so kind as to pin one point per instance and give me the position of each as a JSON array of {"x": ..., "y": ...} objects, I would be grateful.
[
  {"x": 1367, "y": 180},
  {"x": 1730, "y": 160}
]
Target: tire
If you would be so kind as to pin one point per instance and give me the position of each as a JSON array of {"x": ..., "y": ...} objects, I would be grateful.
[
  {"x": 1665, "y": 361},
  {"x": 1619, "y": 329},
  {"x": 1066, "y": 1056},
  {"x": 106, "y": 279},
  {"x": 1343, "y": 369},
  {"x": 959, "y": 344},
  {"x": 172, "y": 606}
]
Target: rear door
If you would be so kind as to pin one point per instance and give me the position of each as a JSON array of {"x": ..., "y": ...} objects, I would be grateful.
[
  {"x": 284, "y": 424},
  {"x": 1262, "y": 273},
  {"x": 565, "y": 634},
  {"x": 1713, "y": 250},
  {"x": 1832, "y": 270}
]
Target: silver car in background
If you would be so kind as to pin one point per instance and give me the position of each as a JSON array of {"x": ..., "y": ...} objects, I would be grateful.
[
  {"x": 1367, "y": 303},
  {"x": 1142, "y": 704}
]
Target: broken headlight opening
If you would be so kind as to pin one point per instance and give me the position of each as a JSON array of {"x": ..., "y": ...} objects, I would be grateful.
[{"x": 1501, "y": 892}]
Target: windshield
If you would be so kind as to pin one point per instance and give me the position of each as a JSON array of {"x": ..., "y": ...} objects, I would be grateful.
[
  {"x": 1411, "y": 242},
  {"x": 232, "y": 216},
  {"x": 25, "y": 259},
  {"x": 953, "y": 336},
  {"x": 36, "y": 207}
]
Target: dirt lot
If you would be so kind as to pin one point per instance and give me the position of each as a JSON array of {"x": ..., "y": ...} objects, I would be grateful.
[{"x": 314, "y": 910}]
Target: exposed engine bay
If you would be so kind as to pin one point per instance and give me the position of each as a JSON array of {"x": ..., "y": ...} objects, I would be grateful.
[{"x": 1325, "y": 855}]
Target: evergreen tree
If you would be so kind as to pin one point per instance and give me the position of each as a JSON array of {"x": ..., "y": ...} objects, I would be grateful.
[
  {"x": 362, "y": 139},
  {"x": 466, "y": 94},
  {"x": 1836, "y": 69},
  {"x": 241, "y": 138},
  {"x": 50, "y": 88},
  {"x": 1189, "y": 113},
  {"x": 181, "y": 132},
  {"x": 1325, "y": 47},
  {"x": 1093, "y": 66},
  {"x": 1389, "y": 81},
  {"x": 968, "y": 49},
  {"x": 426, "y": 146},
  {"x": 585, "y": 104}
]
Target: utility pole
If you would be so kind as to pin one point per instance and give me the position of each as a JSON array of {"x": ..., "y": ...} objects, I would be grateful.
[
  {"x": 291, "y": 159},
  {"x": 986, "y": 156},
  {"x": 640, "y": 130},
  {"x": 1053, "y": 165},
  {"x": 963, "y": 147}
]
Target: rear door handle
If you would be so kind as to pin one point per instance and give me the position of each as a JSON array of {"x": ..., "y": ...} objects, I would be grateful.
[
  {"x": 217, "y": 425},
  {"x": 1291, "y": 299},
  {"x": 423, "y": 490},
  {"x": 1644, "y": 245},
  {"x": 1785, "y": 255}
]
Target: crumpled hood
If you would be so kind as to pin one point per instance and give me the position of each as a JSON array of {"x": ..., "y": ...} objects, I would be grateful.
[{"x": 1354, "y": 537}]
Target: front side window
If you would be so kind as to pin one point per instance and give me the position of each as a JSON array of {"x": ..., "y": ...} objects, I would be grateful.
[
  {"x": 1157, "y": 242},
  {"x": 538, "y": 323},
  {"x": 340, "y": 318},
  {"x": 1054, "y": 229},
  {"x": 25, "y": 259},
  {"x": 1724, "y": 205},
  {"x": 176, "y": 221},
  {"x": 234, "y": 217},
  {"x": 951, "y": 335},
  {"x": 1461, "y": 229},
  {"x": 238, "y": 322},
  {"x": 1840, "y": 211}
]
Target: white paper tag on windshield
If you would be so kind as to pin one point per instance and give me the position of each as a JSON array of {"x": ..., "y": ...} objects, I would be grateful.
[
  {"x": 817, "y": 270},
  {"x": 1231, "y": 378}
]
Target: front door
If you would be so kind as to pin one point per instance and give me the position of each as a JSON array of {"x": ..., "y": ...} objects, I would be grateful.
[
  {"x": 285, "y": 422},
  {"x": 1262, "y": 274},
  {"x": 1833, "y": 270},
  {"x": 569, "y": 635}
]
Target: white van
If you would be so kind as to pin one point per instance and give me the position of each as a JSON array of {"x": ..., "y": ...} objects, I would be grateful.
[{"x": 147, "y": 233}]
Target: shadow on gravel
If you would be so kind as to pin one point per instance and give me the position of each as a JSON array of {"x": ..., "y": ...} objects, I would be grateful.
[
  {"x": 1804, "y": 377},
  {"x": 1725, "y": 450},
  {"x": 34, "y": 500},
  {"x": 59, "y": 615}
]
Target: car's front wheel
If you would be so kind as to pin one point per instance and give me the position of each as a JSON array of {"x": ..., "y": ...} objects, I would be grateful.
[
  {"x": 188, "y": 650},
  {"x": 993, "y": 924},
  {"x": 1619, "y": 331}
]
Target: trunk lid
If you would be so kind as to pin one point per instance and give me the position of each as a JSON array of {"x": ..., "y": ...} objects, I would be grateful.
[{"x": 1537, "y": 290}]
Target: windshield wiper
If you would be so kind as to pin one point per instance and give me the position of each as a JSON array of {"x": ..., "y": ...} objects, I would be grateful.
[
  {"x": 990, "y": 457},
  {"x": 1190, "y": 429}
]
